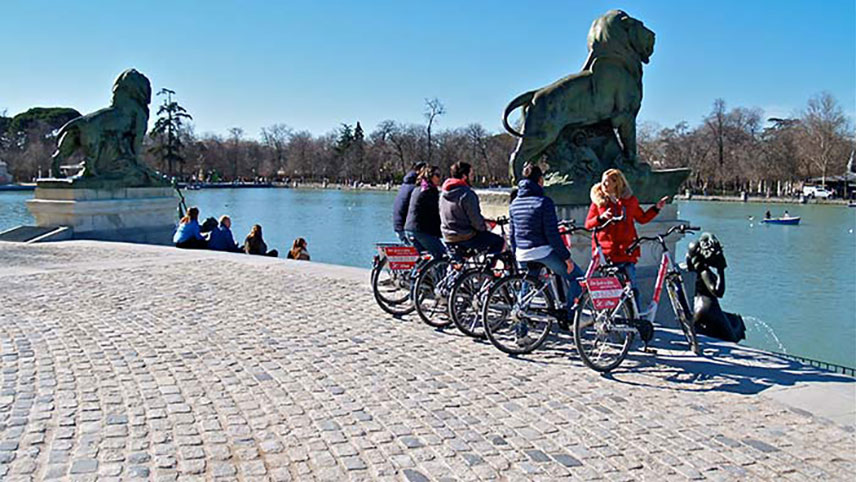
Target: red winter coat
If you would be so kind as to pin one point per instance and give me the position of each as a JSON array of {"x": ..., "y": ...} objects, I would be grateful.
[{"x": 615, "y": 239}]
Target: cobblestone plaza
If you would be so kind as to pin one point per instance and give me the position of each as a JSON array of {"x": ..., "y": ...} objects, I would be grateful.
[{"x": 140, "y": 362}]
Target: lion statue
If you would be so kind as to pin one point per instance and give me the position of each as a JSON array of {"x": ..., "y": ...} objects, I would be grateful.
[
  {"x": 608, "y": 90},
  {"x": 110, "y": 140}
]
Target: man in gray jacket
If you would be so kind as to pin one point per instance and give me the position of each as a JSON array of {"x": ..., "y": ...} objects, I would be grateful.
[{"x": 461, "y": 221}]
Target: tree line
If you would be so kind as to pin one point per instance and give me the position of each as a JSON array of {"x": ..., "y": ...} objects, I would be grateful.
[
  {"x": 730, "y": 150},
  {"x": 737, "y": 149}
]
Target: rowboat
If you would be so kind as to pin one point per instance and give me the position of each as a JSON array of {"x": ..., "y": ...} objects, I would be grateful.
[{"x": 789, "y": 220}]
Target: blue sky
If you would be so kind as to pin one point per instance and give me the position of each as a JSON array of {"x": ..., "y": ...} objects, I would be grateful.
[{"x": 315, "y": 64}]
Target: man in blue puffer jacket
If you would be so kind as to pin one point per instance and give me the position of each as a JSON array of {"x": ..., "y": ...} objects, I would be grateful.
[
  {"x": 402, "y": 202},
  {"x": 534, "y": 232}
]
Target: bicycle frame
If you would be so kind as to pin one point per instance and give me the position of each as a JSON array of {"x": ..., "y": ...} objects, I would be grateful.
[{"x": 666, "y": 269}]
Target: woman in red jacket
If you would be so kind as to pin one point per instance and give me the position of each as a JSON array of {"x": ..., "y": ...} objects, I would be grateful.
[{"x": 609, "y": 198}]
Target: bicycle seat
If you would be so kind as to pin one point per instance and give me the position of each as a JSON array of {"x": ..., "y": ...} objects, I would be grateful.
[{"x": 613, "y": 270}]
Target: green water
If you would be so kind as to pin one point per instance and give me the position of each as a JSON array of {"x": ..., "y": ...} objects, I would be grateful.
[{"x": 794, "y": 285}]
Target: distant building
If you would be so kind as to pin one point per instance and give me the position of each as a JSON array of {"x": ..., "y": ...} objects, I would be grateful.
[{"x": 5, "y": 177}]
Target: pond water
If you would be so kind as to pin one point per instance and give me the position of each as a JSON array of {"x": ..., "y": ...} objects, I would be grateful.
[{"x": 794, "y": 285}]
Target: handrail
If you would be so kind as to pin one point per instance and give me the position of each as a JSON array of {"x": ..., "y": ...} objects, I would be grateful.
[{"x": 833, "y": 367}]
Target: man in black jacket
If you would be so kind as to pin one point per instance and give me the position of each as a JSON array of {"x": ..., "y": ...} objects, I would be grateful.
[{"x": 402, "y": 201}]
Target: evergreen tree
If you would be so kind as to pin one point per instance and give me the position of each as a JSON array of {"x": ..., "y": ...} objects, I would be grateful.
[
  {"x": 359, "y": 150},
  {"x": 167, "y": 130},
  {"x": 342, "y": 149}
]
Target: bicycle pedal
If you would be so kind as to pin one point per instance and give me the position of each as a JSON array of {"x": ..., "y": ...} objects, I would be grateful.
[
  {"x": 649, "y": 350},
  {"x": 645, "y": 329}
]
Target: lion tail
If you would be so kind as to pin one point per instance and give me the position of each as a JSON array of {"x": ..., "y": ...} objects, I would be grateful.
[
  {"x": 519, "y": 101},
  {"x": 68, "y": 126}
]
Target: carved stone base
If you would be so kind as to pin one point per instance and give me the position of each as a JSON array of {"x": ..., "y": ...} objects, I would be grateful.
[{"x": 136, "y": 214}]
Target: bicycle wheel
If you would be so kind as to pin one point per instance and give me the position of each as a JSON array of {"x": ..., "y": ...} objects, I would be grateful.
[
  {"x": 517, "y": 315},
  {"x": 466, "y": 299},
  {"x": 431, "y": 293},
  {"x": 601, "y": 340},
  {"x": 682, "y": 313},
  {"x": 391, "y": 289}
]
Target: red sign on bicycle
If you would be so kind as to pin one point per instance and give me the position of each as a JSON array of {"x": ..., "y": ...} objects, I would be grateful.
[
  {"x": 400, "y": 257},
  {"x": 605, "y": 292}
]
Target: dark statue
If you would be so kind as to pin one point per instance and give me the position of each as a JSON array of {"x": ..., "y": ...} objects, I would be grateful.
[
  {"x": 585, "y": 123},
  {"x": 703, "y": 257},
  {"x": 110, "y": 140}
]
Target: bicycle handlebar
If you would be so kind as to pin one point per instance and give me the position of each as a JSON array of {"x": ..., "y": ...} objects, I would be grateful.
[
  {"x": 682, "y": 228},
  {"x": 612, "y": 220}
]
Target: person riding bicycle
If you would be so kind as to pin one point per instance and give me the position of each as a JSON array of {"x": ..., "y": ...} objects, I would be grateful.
[
  {"x": 402, "y": 201},
  {"x": 534, "y": 234},
  {"x": 461, "y": 221},
  {"x": 423, "y": 217},
  {"x": 610, "y": 198}
]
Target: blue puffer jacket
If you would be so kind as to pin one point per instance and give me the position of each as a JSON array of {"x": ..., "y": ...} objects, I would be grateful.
[
  {"x": 402, "y": 201},
  {"x": 533, "y": 220}
]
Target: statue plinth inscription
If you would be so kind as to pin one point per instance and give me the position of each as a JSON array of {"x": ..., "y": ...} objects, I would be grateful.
[{"x": 114, "y": 196}]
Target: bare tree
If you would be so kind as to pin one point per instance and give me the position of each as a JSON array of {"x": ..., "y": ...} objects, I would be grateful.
[
  {"x": 433, "y": 109},
  {"x": 236, "y": 135},
  {"x": 275, "y": 138},
  {"x": 825, "y": 130}
]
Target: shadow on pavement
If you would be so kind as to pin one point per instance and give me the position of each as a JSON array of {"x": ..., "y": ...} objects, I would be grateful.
[{"x": 725, "y": 367}]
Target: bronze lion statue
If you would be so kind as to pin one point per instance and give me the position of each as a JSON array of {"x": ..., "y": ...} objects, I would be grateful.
[
  {"x": 110, "y": 140},
  {"x": 607, "y": 90}
]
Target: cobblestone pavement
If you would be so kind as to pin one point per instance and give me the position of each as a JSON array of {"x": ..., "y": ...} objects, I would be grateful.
[{"x": 124, "y": 362}]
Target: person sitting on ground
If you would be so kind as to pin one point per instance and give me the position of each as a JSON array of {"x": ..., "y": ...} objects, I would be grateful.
[
  {"x": 298, "y": 250},
  {"x": 402, "y": 201},
  {"x": 610, "y": 198},
  {"x": 221, "y": 238},
  {"x": 187, "y": 235},
  {"x": 461, "y": 221},
  {"x": 254, "y": 244},
  {"x": 423, "y": 216},
  {"x": 534, "y": 234}
]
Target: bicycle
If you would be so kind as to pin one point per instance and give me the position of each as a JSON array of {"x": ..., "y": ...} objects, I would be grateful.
[
  {"x": 607, "y": 317},
  {"x": 519, "y": 310},
  {"x": 470, "y": 290},
  {"x": 394, "y": 270}
]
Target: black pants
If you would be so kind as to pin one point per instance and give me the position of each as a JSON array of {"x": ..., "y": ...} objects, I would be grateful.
[{"x": 192, "y": 243}]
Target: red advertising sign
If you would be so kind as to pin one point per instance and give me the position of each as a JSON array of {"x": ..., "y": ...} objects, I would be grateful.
[
  {"x": 400, "y": 257},
  {"x": 605, "y": 292}
]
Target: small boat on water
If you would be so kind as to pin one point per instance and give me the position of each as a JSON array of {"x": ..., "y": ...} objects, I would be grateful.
[{"x": 788, "y": 220}]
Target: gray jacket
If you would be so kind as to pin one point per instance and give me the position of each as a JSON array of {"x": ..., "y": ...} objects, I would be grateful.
[{"x": 460, "y": 213}]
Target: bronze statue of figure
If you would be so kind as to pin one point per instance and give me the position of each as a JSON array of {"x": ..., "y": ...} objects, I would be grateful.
[
  {"x": 609, "y": 88},
  {"x": 573, "y": 122},
  {"x": 110, "y": 140},
  {"x": 703, "y": 257}
]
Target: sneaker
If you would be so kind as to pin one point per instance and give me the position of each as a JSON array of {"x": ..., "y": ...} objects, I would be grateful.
[{"x": 525, "y": 341}]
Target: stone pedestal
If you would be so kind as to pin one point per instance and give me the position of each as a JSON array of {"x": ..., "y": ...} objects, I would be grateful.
[
  {"x": 134, "y": 214},
  {"x": 495, "y": 203}
]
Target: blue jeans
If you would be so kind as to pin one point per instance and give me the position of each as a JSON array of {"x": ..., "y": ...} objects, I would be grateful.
[
  {"x": 555, "y": 264},
  {"x": 630, "y": 270},
  {"x": 427, "y": 242},
  {"x": 484, "y": 241}
]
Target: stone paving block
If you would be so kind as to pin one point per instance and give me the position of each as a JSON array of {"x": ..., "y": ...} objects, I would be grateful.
[{"x": 168, "y": 387}]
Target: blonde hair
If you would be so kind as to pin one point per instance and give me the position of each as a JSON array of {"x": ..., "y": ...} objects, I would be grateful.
[{"x": 616, "y": 176}]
